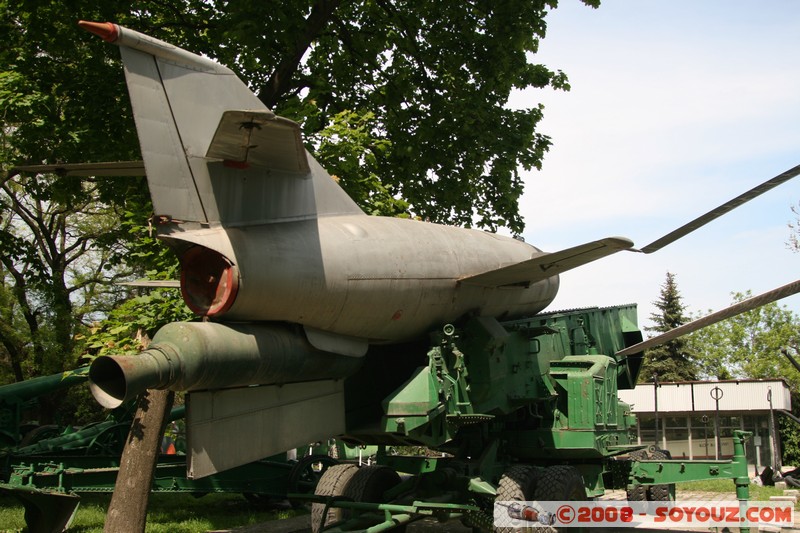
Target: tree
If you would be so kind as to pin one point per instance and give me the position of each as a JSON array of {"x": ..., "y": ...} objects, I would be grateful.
[
  {"x": 404, "y": 102},
  {"x": 60, "y": 237},
  {"x": 748, "y": 345},
  {"x": 794, "y": 230},
  {"x": 673, "y": 360},
  {"x": 428, "y": 83}
]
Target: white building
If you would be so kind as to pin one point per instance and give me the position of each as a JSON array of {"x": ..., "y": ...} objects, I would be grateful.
[{"x": 691, "y": 414}]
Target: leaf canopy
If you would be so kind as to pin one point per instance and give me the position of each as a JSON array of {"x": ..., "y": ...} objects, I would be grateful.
[{"x": 427, "y": 81}]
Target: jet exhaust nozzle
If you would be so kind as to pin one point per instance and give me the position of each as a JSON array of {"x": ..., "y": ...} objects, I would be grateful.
[{"x": 205, "y": 355}]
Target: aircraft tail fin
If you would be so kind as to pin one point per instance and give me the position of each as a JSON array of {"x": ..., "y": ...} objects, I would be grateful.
[
  {"x": 268, "y": 419},
  {"x": 213, "y": 153}
]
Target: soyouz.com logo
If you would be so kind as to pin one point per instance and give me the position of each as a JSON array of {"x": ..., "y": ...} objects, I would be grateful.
[{"x": 635, "y": 514}]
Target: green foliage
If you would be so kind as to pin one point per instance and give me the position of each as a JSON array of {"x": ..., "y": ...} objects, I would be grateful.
[
  {"x": 128, "y": 328},
  {"x": 61, "y": 99},
  {"x": 346, "y": 147},
  {"x": 53, "y": 276},
  {"x": 53, "y": 261},
  {"x": 430, "y": 80},
  {"x": 436, "y": 77},
  {"x": 673, "y": 360},
  {"x": 789, "y": 430},
  {"x": 749, "y": 345}
]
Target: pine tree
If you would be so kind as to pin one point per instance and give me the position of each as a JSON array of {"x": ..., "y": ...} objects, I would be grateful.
[{"x": 673, "y": 360}]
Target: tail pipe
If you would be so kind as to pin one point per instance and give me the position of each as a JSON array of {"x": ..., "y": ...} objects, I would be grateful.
[{"x": 187, "y": 356}]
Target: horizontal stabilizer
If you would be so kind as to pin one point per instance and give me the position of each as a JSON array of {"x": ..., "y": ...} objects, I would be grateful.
[
  {"x": 261, "y": 138},
  {"x": 154, "y": 283},
  {"x": 115, "y": 168},
  {"x": 547, "y": 265}
]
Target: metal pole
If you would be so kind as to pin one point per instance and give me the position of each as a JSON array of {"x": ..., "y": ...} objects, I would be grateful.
[
  {"x": 773, "y": 439},
  {"x": 655, "y": 401},
  {"x": 716, "y": 394},
  {"x": 741, "y": 480}
]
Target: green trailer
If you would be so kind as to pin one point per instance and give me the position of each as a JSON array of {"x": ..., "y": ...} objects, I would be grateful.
[
  {"x": 521, "y": 410},
  {"x": 515, "y": 411},
  {"x": 49, "y": 486},
  {"x": 47, "y": 468},
  {"x": 15, "y": 398}
]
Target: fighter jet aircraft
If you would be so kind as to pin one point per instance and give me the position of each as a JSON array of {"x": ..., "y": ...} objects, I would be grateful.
[
  {"x": 264, "y": 233},
  {"x": 293, "y": 281}
]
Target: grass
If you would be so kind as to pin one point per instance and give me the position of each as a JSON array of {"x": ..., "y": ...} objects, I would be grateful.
[
  {"x": 167, "y": 513},
  {"x": 757, "y": 492},
  {"x": 183, "y": 513}
]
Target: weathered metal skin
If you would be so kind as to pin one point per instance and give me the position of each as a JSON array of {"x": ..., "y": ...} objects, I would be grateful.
[
  {"x": 203, "y": 355},
  {"x": 382, "y": 279},
  {"x": 227, "y": 174}
]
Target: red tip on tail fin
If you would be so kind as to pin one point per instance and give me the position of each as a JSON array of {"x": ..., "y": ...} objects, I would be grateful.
[{"x": 108, "y": 31}]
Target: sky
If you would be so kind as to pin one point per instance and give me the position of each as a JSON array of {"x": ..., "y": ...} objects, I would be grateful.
[{"x": 676, "y": 107}]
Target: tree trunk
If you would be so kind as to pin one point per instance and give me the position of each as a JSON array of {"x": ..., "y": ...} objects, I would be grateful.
[{"x": 128, "y": 509}]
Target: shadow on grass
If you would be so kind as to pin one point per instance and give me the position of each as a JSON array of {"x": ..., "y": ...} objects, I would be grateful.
[{"x": 166, "y": 513}]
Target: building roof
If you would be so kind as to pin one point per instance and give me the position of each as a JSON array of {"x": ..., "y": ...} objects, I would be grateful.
[{"x": 696, "y": 396}]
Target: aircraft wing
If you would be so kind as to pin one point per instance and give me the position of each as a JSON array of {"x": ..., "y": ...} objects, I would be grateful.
[
  {"x": 115, "y": 168},
  {"x": 547, "y": 265},
  {"x": 153, "y": 283},
  {"x": 723, "y": 314},
  {"x": 717, "y": 212}
]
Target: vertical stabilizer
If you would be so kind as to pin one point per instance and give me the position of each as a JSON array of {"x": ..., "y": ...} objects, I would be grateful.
[
  {"x": 213, "y": 153},
  {"x": 229, "y": 428}
]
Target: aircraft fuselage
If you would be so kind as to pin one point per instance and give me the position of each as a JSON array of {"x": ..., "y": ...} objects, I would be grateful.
[{"x": 375, "y": 278}]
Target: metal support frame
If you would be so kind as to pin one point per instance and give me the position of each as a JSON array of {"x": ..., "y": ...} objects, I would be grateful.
[{"x": 657, "y": 472}]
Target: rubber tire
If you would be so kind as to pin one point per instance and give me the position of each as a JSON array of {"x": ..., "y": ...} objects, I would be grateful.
[
  {"x": 517, "y": 484},
  {"x": 369, "y": 483},
  {"x": 652, "y": 493},
  {"x": 302, "y": 473},
  {"x": 559, "y": 483},
  {"x": 639, "y": 492},
  {"x": 365, "y": 484},
  {"x": 661, "y": 493},
  {"x": 332, "y": 483},
  {"x": 39, "y": 434}
]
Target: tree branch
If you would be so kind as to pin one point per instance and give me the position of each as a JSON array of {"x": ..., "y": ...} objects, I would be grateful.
[{"x": 280, "y": 80}]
